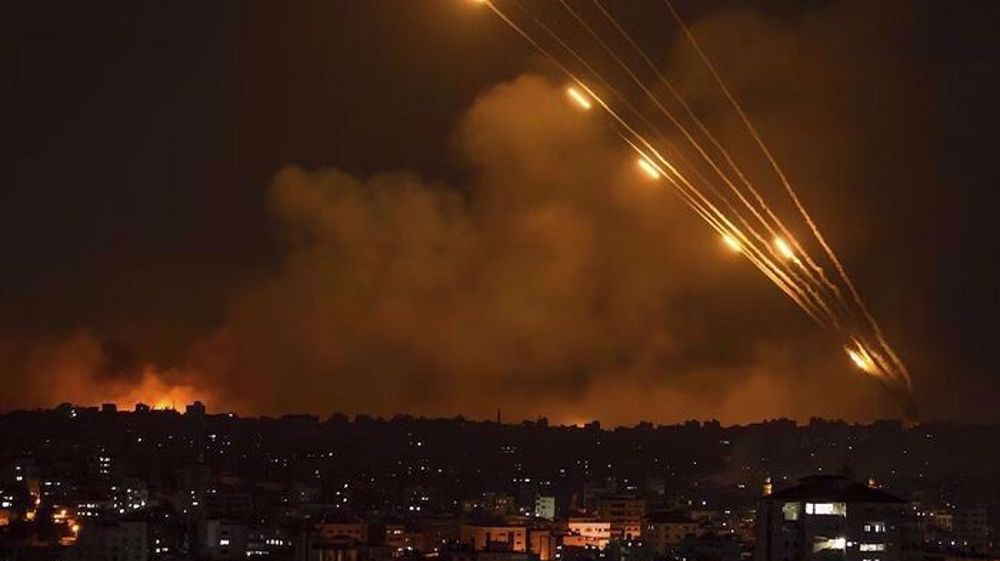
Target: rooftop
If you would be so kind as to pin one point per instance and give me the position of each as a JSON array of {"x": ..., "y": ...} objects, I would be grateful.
[{"x": 833, "y": 488}]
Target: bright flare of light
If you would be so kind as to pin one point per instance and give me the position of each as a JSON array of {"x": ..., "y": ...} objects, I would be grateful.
[
  {"x": 862, "y": 360},
  {"x": 783, "y": 248},
  {"x": 579, "y": 98},
  {"x": 163, "y": 403},
  {"x": 648, "y": 168},
  {"x": 732, "y": 243}
]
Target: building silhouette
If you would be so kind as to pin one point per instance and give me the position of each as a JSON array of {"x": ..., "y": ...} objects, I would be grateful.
[{"x": 827, "y": 517}]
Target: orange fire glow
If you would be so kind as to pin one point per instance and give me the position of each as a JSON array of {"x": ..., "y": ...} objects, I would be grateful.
[{"x": 154, "y": 391}]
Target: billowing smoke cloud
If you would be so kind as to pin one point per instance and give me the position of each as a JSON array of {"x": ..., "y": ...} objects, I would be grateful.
[
  {"x": 558, "y": 281},
  {"x": 82, "y": 369}
]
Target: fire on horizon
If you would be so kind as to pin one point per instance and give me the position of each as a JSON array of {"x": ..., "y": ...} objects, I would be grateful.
[{"x": 582, "y": 210}]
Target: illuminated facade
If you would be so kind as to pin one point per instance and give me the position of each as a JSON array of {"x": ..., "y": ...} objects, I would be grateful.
[
  {"x": 501, "y": 538},
  {"x": 355, "y": 531},
  {"x": 402, "y": 540},
  {"x": 829, "y": 517},
  {"x": 625, "y": 514},
  {"x": 543, "y": 544},
  {"x": 587, "y": 533},
  {"x": 545, "y": 507}
]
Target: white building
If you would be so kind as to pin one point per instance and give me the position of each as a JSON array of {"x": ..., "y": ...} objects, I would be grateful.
[{"x": 545, "y": 507}]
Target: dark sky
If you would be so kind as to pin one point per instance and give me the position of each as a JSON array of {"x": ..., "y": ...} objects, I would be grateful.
[{"x": 143, "y": 229}]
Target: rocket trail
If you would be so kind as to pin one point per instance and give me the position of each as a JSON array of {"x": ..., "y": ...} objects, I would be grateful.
[
  {"x": 753, "y": 255},
  {"x": 821, "y": 283},
  {"x": 807, "y": 286},
  {"x": 792, "y": 194},
  {"x": 806, "y": 299},
  {"x": 775, "y": 252}
]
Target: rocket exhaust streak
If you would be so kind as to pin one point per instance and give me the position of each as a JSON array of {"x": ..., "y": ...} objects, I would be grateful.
[
  {"x": 755, "y": 257},
  {"x": 701, "y": 126},
  {"x": 579, "y": 98},
  {"x": 732, "y": 243},
  {"x": 819, "y": 270},
  {"x": 723, "y": 225},
  {"x": 787, "y": 280},
  {"x": 784, "y": 249},
  {"x": 900, "y": 367},
  {"x": 862, "y": 359},
  {"x": 778, "y": 259},
  {"x": 806, "y": 290},
  {"x": 810, "y": 281},
  {"x": 775, "y": 273},
  {"x": 647, "y": 168}
]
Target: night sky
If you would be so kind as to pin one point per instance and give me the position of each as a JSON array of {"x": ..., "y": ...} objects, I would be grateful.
[{"x": 387, "y": 206}]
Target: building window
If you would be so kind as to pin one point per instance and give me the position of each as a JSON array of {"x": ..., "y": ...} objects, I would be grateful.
[
  {"x": 791, "y": 511},
  {"x": 829, "y": 543},
  {"x": 872, "y": 547},
  {"x": 875, "y": 527},
  {"x": 836, "y": 509}
]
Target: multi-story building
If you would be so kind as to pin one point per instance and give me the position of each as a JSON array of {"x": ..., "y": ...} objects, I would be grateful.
[
  {"x": 356, "y": 531},
  {"x": 587, "y": 533},
  {"x": 542, "y": 543},
  {"x": 545, "y": 507},
  {"x": 130, "y": 495},
  {"x": 402, "y": 539},
  {"x": 971, "y": 528},
  {"x": 221, "y": 540},
  {"x": 228, "y": 504},
  {"x": 121, "y": 541},
  {"x": 828, "y": 517},
  {"x": 668, "y": 529},
  {"x": 494, "y": 537},
  {"x": 625, "y": 515}
]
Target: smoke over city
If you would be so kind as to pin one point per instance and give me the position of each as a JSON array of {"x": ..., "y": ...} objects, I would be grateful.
[{"x": 552, "y": 279}]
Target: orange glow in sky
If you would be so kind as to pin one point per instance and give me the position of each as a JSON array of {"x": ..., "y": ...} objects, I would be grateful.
[{"x": 154, "y": 391}]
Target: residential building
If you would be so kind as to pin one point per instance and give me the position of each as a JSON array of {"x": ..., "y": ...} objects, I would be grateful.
[{"x": 826, "y": 517}]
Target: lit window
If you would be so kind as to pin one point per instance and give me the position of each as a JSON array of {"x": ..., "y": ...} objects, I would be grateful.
[
  {"x": 791, "y": 511},
  {"x": 223, "y": 541},
  {"x": 872, "y": 547},
  {"x": 830, "y": 543},
  {"x": 876, "y": 527},
  {"x": 836, "y": 509}
]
